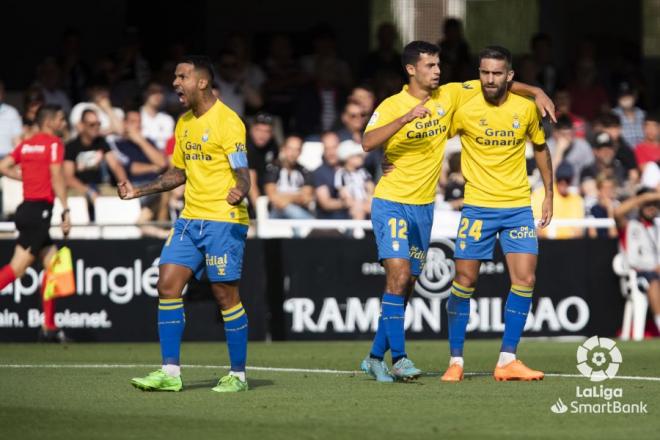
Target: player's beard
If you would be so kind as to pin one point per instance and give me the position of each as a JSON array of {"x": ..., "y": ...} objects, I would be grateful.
[
  {"x": 184, "y": 100},
  {"x": 494, "y": 95},
  {"x": 432, "y": 85}
]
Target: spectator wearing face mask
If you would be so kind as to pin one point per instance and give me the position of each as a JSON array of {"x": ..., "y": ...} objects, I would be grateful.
[{"x": 631, "y": 116}]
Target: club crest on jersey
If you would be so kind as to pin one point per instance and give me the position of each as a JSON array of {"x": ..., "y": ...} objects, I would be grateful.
[
  {"x": 440, "y": 110},
  {"x": 185, "y": 133},
  {"x": 205, "y": 136},
  {"x": 395, "y": 246},
  {"x": 482, "y": 122},
  {"x": 516, "y": 122}
]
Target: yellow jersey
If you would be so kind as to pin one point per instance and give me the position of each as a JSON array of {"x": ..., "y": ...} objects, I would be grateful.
[
  {"x": 493, "y": 140},
  {"x": 417, "y": 150},
  {"x": 207, "y": 149}
]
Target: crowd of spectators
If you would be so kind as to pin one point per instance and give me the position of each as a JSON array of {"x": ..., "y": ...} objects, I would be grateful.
[{"x": 305, "y": 115}]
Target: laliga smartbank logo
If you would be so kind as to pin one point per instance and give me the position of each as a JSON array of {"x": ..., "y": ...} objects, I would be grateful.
[{"x": 598, "y": 359}]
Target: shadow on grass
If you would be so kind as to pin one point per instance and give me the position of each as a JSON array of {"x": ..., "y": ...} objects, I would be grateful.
[{"x": 208, "y": 384}]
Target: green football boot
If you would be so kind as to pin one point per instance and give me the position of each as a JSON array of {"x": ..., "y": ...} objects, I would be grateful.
[
  {"x": 158, "y": 381},
  {"x": 230, "y": 384}
]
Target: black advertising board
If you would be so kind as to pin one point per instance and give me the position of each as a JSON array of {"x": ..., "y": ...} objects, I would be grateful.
[{"x": 315, "y": 289}]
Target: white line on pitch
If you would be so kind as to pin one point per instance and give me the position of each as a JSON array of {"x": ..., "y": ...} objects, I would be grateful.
[
  {"x": 92, "y": 366},
  {"x": 278, "y": 370}
]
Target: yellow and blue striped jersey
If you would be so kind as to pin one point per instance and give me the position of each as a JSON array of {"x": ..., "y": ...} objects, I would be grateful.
[
  {"x": 208, "y": 148},
  {"x": 493, "y": 140},
  {"x": 417, "y": 149}
]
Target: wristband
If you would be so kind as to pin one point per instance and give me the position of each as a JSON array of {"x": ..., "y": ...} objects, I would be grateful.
[{"x": 65, "y": 212}]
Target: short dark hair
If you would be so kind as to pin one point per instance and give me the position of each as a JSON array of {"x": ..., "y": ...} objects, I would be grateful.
[
  {"x": 652, "y": 117},
  {"x": 131, "y": 109},
  {"x": 364, "y": 86},
  {"x": 644, "y": 190},
  {"x": 496, "y": 53},
  {"x": 563, "y": 123},
  {"x": 414, "y": 49},
  {"x": 86, "y": 112},
  {"x": 291, "y": 136},
  {"x": 46, "y": 111},
  {"x": 610, "y": 120},
  {"x": 201, "y": 63}
]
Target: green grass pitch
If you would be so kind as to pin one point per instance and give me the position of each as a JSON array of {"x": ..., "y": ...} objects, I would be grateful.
[{"x": 92, "y": 397}]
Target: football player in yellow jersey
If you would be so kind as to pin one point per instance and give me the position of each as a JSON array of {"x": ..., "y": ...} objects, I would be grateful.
[
  {"x": 494, "y": 127},
  {"x": 412, "y": 126},
  {"x": 210, "y": 158}
]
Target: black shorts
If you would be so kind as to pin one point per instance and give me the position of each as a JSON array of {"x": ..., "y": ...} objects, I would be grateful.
[{"x": 33, "y": 224}]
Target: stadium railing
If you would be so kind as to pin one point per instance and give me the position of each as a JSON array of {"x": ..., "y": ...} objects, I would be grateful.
[
  {"x": 444, "y": 226},
  {"x": 282, "y": 228}
]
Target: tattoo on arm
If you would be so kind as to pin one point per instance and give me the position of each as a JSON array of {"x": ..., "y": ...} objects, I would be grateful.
[
  {"x": 169, "y": 180},
  {"x": 243, "y": 179}
]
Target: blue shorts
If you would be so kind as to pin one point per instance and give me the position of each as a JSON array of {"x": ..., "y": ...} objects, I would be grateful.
[
  {"x": 200, "y": 244},
  {"x": 479, "y": 228},
  {"x": 402, "y": 231}
]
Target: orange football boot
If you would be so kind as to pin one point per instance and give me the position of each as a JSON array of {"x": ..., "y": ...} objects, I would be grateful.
[
  {"x": 516, "y": 370},
  {"x": 453, "y": 374}
]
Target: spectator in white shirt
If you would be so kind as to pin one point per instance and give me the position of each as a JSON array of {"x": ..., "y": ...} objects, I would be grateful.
[
  {"x": 236, "y": 91},
  {"x": 156, "y": 125},
  {"x": 11, "y": 125},
  {"x": 353, "y": 181},
  {"x": 112, "y": 118}
]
